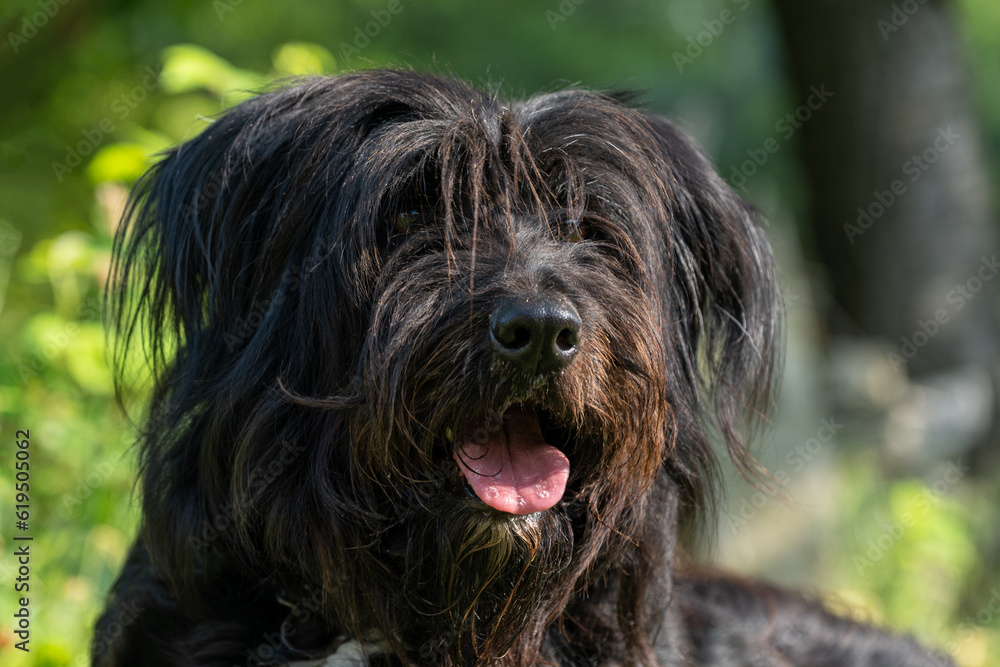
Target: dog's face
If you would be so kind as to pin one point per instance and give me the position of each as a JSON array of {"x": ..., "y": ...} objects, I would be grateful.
[{"x": 446, "y": 359}]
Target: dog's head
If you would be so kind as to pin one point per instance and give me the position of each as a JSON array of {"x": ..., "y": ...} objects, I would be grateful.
[{"x": 449, "y": 360}]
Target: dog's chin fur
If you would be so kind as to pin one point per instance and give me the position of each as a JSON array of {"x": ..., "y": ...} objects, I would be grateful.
[{"x": 315, "y": 278}]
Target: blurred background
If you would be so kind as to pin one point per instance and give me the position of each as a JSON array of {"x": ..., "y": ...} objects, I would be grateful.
[{"x": 866, "y": 131}]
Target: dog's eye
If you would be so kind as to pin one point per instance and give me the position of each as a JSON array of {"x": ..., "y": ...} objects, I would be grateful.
[
  {"x": 408, "y": 221},
  {"x": 571, "y": 230}
]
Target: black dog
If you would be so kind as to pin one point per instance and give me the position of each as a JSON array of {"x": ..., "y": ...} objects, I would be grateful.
[{"x": 434, "y": 380}]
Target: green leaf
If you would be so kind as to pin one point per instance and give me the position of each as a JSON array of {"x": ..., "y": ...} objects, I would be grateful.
[
  {"x": 187, "y": 67},
  {"x": 124, "y": 162},
  {"x": 303, "y": 58}
]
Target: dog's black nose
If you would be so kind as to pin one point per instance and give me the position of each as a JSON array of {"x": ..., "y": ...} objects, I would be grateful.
[{"x": 536, "y": 335}]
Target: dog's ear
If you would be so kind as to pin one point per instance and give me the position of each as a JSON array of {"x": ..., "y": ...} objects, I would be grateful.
[
  {"x": 724, "y": 310},
  {"x": 241, "y": 270},
  {"x": 255, "y": 214},
  {"x": 201, "y": 246},
  {"x": 219, "y": 248}
]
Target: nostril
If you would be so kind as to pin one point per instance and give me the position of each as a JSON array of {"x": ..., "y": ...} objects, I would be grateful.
[
  {"x": 520, "y": 339},
  {"x": 567, "y": 339},
  {"x": 512, "y": 336}
]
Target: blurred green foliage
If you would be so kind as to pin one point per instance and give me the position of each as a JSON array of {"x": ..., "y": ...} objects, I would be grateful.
[{"x": 100, "y": 88}]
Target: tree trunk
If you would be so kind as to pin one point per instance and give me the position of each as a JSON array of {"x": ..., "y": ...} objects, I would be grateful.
[{"x": 901, "y": 214}]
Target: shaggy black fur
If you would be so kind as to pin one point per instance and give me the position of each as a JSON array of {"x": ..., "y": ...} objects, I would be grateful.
[{"x": 340, "y": 286}]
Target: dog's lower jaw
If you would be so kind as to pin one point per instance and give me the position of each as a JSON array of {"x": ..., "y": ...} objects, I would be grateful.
[
  {"x": 477, "y": 581},
  {"x": 475, "y": 586}
]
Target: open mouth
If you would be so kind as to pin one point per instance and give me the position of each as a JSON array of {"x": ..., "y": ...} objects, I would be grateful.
[{"x": 511, "y": 466}]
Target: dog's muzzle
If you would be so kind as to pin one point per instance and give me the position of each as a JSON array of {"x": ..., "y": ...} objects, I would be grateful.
[{"x": 510, "y": 466}]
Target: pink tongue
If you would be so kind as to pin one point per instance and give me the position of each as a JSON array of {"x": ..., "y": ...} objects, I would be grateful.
[{"x": 515, "y": 471}]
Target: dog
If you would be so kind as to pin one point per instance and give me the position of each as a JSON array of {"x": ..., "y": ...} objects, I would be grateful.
[{"x": 435, "y": 381}]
